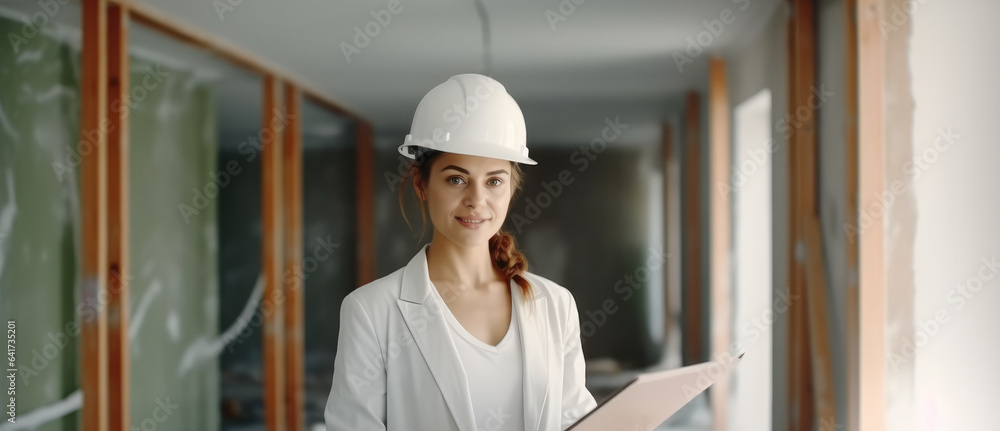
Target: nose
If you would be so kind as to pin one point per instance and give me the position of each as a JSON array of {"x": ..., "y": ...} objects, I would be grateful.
[{"x": 475, "y": 196}]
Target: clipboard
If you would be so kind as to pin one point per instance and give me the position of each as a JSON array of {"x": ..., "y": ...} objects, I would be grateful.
[{"x": 648, "y": 400}]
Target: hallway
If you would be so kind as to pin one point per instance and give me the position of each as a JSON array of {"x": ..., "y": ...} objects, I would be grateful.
[{"x": 190, "y": 189}]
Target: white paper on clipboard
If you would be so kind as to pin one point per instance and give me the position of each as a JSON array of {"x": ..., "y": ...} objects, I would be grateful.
[{"x": 649, "y": 399}]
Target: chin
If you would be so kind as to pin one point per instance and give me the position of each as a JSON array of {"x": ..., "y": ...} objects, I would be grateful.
[{"x": 470, "y": 239}]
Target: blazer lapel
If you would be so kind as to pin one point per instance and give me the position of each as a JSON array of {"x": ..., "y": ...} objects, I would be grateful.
[
  {"x": 430, "y": 333},
  {"x": 532, "y": 322}
]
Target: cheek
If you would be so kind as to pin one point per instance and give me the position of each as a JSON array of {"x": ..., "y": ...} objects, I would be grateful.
[{"x": 501, "y": 202}]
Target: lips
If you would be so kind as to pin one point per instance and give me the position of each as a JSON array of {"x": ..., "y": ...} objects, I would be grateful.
[{"x": 471, "y": 222}]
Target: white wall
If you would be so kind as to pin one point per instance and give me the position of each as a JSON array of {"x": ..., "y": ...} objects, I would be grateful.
[
  {"x": 761, "y": 63},
  {"x": 954, "y": 62},
  {"x": 753, "y": 310}
]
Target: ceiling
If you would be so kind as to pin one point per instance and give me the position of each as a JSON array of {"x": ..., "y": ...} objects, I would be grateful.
[
  {"x": 568, "y": 66},
  {"x": 606, "y": 59}
]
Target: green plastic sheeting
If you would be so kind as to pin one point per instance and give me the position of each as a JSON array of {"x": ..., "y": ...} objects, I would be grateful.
[{"x": 173, "y": 278}]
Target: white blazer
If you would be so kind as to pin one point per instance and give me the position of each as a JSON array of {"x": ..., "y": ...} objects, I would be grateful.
[{"x": 397, "y": 369}]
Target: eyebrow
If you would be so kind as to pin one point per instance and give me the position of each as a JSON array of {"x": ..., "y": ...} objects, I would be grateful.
[{"x": 498, "y": 171}]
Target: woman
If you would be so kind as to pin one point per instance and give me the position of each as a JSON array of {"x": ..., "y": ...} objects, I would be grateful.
[{"x": 462, "y": 337}]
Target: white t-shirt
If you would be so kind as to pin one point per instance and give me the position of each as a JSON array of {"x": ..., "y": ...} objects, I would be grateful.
[{"x": 494, "y": 374}]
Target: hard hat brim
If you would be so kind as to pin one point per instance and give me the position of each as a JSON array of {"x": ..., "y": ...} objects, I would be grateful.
[{"x": 410, "y": 150}]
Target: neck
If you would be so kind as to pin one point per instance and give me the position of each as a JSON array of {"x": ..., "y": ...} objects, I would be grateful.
[{"x": 461, "y": 267}]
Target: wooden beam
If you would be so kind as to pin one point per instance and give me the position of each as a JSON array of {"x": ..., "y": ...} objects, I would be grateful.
[
  {"x": 94, "y": 124},
  {"x": 813, "y": 310},
  {"x": 153, "y": 18},
  {"x": 672, "y": 230},
  {"x": 851, "y": 353},
  {"x": 801, "y": 194},
  {"x": 693, "y": 350},
  {"x": 366, "y": 204},
  {"x": 819, "y": 326},
  {"x": 119, "y": 354},
  {"x": 871, "y": 183},
  {"x": 294, "y": 293},
  {"x": 273, "y": 262},
  {"x": 720, "y": 243}
]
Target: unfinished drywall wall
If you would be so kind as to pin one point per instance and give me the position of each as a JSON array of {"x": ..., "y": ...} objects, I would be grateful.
[
  {"x": 952, "y": 56},
  {"x": 761, "y": 63}
]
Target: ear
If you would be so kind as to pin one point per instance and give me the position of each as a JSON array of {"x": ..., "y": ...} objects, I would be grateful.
[{"x": 418, "y": 185}]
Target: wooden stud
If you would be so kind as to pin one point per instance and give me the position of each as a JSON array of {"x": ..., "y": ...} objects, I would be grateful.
[
  {"x": 366, "y": 204},
  {"x": 720, "y": 242},
  {"x": 294, "y": 284},
  {"x": 693, "y": 351},
  {"x": 871, "y": 182},
  {"x": 94, "y": 125},
  {"x": 672, "y": 241},
  {"x": 273, "y": 262},
  {"x": 813, "y": 310},
  {"x": 850, "y": 357},
  {"x": 119, "y": 354},
  {"x": 819, "y": 326},
  {"x": 801, "y": 181}
]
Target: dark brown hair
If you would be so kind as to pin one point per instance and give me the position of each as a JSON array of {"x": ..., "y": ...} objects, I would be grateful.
[{"x": 503, "y": 250}]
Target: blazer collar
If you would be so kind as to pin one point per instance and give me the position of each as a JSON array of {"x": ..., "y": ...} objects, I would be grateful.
[{"x": 430, "y": 333}]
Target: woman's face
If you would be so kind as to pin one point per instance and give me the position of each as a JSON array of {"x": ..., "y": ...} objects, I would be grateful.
[{"x": 467, "y": 197}]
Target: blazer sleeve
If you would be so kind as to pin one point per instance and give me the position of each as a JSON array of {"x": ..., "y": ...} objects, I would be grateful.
[
  {"x": 358, "y": 397},
  {"x": 577, "y": 400}
]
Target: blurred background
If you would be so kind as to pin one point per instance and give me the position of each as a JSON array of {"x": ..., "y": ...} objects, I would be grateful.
[{"x": 809, "y": 182}]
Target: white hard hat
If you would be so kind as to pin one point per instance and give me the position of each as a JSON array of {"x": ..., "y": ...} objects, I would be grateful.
[{"x": 469, "y": 114}]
